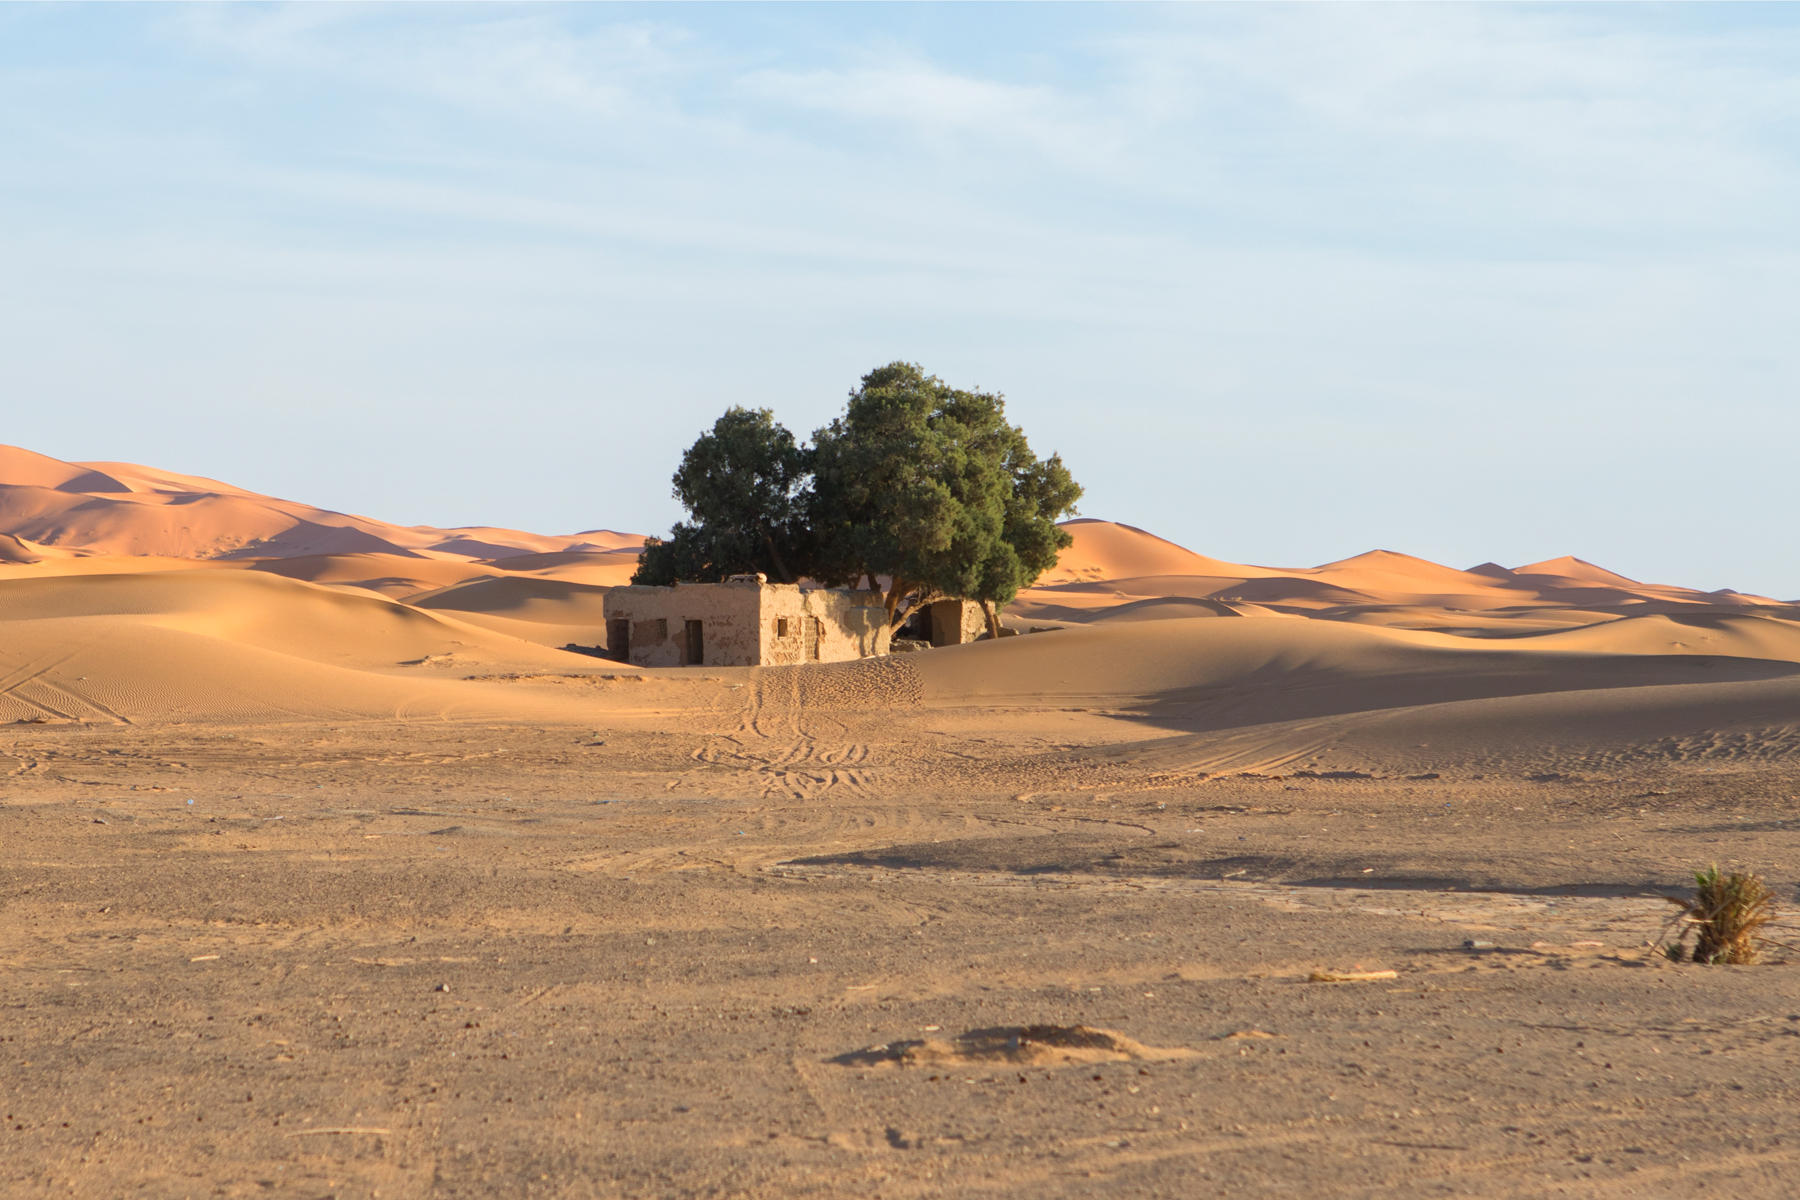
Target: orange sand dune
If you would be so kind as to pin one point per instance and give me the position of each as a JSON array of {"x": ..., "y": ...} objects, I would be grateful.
[
  {"x": 603, "y": 568},
  {"x": 12, "y": 550},
  {"x": 288, "y": 616},
  {"x": 246, "y": 645},
  {"x": 127, "y": 554},
  {"x": 397, "y": 576},
  {"x": 1576, "y": 569},
  {"x": 523, "y": 598},
  {"x": 1695, "y": 631},
  {"x": 550, "y": 612},
  {"x": 23, "y": 468},
  {"x": 1394, "y": 576},
  {"x": 1110, "y": 550},
  {"x": 121, "y": 508},
  {"x": 1100, "y": 574},
  {"x": 1251, "y": 670},
  {"x": 136, "y": 478}
]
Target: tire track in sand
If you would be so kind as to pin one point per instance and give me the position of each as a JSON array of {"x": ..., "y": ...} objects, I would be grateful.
[{"x": 777, "y": 743}]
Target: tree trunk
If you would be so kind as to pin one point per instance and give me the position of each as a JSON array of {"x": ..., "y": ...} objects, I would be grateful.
[
  {"x": 896, "y": 590},
  {"x": 897, "y": 593},
  {"x": 992, "y": 613}
]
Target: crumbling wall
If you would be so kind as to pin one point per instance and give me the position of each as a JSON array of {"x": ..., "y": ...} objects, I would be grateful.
[
  {"x": 728, "y": 613},
  {"x": 784, "y": 625},
  {"x": 821, "y": 625},
  {"x": 851, "y": 624},
  {"x": 954, "y": 622},
  {"x": 746, "y": 622}
]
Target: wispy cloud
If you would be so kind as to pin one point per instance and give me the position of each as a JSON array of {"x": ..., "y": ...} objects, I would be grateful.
[
  {"x": 914, "y": 100},
  {"x": 512, "y": 62},
  {"x": 1547, "y": 117},
  {"x": 1532, "y": 235}
]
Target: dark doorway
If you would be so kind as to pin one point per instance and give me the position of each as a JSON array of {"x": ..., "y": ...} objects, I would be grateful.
[
  {"x": 618, "y": 639},
  {"x": 693, "y": 651},
  {"x": 918, "y": 626},
  {"x": 815, "y": 633}
]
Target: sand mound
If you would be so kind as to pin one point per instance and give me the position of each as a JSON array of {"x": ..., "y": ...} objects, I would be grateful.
[
  {"x": 1016, "y": 1045},
  {"x": 243, "y": 645},
  {"x": 601, "y": 568},
  {"x": 529, "y": 599},
  {"x": 1726, "y": 632},
  {"x": 23, "y": 468},
  {"x": 398, "y": 576},
  {"x": 1392, "y": 577},
  {"x": 1216, "y": 673},
  {"x": 1110, "y": 550},
  {"x": 12, "y": 550},
  {"x": 136, "y": 478},
  {"x": 1576, "y": 570}
]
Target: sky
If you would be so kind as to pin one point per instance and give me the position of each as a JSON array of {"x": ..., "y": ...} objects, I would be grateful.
[{"x": 1281, "y": 283}]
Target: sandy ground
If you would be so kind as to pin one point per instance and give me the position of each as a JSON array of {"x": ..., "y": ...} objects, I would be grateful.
[
  {"x": 325, "y": 871},
  {"x": 640, "y": 955}
]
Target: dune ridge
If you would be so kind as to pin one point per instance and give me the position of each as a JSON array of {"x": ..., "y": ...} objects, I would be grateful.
[
  {"x": 122, "y": 508},
  {"x": 129, "y": 593}
]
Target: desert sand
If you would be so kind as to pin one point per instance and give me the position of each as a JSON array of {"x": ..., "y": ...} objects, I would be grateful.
[{"x": 327, "y": 871}]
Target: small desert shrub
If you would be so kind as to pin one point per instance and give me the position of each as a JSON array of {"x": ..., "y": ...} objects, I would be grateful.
[{"x": 1725, "y": 916}]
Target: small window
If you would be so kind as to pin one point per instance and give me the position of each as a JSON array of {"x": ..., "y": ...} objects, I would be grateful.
[{"x": 782, "y": 628}]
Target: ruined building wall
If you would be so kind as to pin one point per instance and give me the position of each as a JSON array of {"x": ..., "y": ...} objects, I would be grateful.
[
  {"x": 656, "y": 621},
  {"x": 784, "y": 626},
  {"x": 822, "y": 625},
  {"x": 853, "y": 624},
  {"x": 743, "y": 623},
  {"x": 954, "y": 622}
]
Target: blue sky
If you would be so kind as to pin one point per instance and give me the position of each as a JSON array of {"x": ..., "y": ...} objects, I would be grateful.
[{"x": 1281, "y": 283}]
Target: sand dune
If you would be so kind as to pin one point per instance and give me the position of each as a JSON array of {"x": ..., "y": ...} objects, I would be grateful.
[
  {"x": 1110, "y": 550},
  {"x": 525, "y": 599},
  {"x": 602, "y": 568},
  {"x": 1250, "y": 671},
  {"x": 550, "y": 612},
  {"x": 137, "y": 592},
  {"x": 1102, "y": 572},
  {"x": 24, "y": 468},
  {"x": 231, "y": 645},
  {"x": 398, "y": 577},
  {"x": 122, "y": 508},
  {"x": 1578, "y": 570},
  {"x": 12, "y": 550}
]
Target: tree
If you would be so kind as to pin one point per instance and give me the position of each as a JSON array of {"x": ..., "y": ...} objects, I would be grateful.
[
  {"x": 918, "y": 482},
  {"x": 1030, "y": 538},
  {"x": 930, "y": 486},
  {"x": 743, "y": 483}
]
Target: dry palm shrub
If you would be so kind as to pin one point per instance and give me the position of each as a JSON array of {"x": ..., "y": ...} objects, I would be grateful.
[{"x": 1725, "y": 917}]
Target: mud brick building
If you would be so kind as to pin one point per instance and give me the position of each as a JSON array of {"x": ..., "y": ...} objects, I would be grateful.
[{"x": 743, "y": 622}]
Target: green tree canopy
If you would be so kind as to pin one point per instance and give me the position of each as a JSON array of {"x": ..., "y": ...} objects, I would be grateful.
[
  {"x": 929, "y": 486},
  {"x": 922, "y": 484},
  {"x": 743, "y": 483}
]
